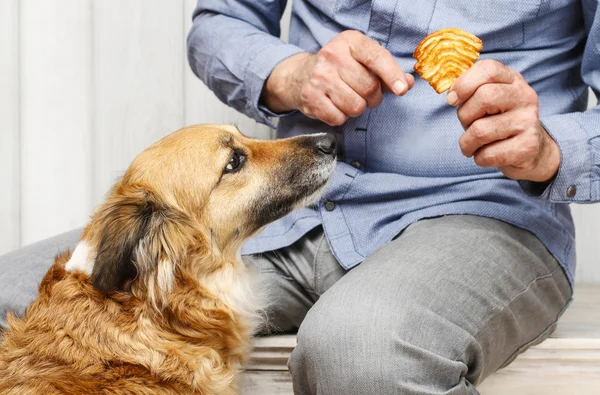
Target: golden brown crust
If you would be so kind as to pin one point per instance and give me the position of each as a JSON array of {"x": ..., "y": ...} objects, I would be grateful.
[{"x": 444, "y": 55}]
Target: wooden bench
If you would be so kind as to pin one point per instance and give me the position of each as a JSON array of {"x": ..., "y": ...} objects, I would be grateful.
[{"x": 568, "y": 363}]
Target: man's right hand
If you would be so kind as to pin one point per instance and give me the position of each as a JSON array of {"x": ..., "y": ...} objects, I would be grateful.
[{"x": 344, "y": 78}]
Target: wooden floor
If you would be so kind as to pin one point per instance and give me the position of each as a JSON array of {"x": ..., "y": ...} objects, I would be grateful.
[{"x": 566, "y": 364}]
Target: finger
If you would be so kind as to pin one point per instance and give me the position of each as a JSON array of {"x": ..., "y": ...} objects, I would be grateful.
[
  {"x": 514, "y": 153},
  {"x": 363, "y": 82},
  {"x": 346, "y": 99},
  {"x": 490, "y": 129},
  {"x": 381, "y": 62},
  {"x": 409, "y": 78},
  {"x": 324, "y": 110},
  {"x": 375, "y": 98},
  {"x": 488, "y": 99},
  {"x": 483, "y": 72}
]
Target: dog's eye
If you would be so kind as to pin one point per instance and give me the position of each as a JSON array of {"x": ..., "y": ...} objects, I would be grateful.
[{"x": 236, "y": 161}]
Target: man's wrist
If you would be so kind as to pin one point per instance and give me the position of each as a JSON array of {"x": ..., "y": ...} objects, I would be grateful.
[
  {"x": 281, "y": 85},
  {"x": 550, "y": 158}
]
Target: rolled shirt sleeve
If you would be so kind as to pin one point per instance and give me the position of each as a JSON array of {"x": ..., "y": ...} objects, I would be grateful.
[
  {"x": 233, "y": 46},
  {"x": 577, "y": 134}
]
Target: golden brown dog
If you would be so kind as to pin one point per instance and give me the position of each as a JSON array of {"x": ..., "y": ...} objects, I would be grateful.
[{"x": 155, "y": 298}]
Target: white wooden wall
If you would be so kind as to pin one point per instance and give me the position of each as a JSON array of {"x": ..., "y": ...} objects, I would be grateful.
[{"x": 85, "y": 85}]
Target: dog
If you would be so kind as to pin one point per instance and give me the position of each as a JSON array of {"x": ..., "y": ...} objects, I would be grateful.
[{"x": 155, "y": 298}]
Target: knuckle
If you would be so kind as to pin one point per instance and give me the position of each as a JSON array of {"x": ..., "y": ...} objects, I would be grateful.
[
  {"x": 357, "y": 107},
  {"x": 477, "y": 130},
  {"x": 531, "y": 144},
  {"x": 314, "y": 82},
  {"x": 463, "y": 116},
  {"x": 483, "y": 96},
  {"x": 329, "y": 117},
  {"x": 487, "y": 158},
  {"x": 335, "y": 120},
  {"x": 319, "y": 76},
  {"x": 320, "y": 114},
  {"x": 489, "y": 95},
  {"x": 329, "y": 52},
  {"x": 529, "y": 95},
  {"x": 376, "y": 101},
  {"x": 371, "y": 85},
  {"x": 526, "y": 121},
  {"x": 482, "y": 159},
  {"x": 517, "y": 75},
  {"x": 463, "y": 146},
  {"x": 491, "y": 67},
  {"x": 373, "y": 54},
  {"x": 309, "y": 100}
]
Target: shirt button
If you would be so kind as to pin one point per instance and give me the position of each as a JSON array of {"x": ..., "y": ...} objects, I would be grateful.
[
  {"x": 329, "y": 205},
  {"x": 571, "y": 191},
  {"x": 355, "y": 164}
]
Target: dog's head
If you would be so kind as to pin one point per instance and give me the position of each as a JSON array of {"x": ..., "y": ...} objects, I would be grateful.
[{"x": 202, "y": 190}]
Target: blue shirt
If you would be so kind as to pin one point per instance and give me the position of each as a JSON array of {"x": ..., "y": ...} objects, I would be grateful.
[{"x": 401, "y": 161}]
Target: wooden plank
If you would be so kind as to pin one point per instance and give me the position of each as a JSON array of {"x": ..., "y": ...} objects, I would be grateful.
[
  {"x": 517, "y": 379},
  {"x": 555, "y": 367},
  {"x": 271, "y": 352},
  {"x": 55, "y": 61},
  {"x": 138, "y": 76},
  {"x": 9, "y": 113},
  {"x": 544, "y": 378},
  {"x": 265, "y": 383},
  {"x": 202, "y": 106},
  {"x": 582, "y": 318}
]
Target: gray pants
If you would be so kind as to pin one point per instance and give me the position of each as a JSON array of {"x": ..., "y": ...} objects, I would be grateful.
[{"x": 435, "y": 311}]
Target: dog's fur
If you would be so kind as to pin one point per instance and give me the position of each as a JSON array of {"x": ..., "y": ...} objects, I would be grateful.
[{"x": 155, "y": 298}]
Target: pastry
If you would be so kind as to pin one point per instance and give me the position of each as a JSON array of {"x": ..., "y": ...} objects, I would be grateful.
[{"x": 444, "y": 55}]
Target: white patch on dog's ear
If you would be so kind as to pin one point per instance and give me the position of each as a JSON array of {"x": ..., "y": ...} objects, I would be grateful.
[{"x": 82, "y": 259}]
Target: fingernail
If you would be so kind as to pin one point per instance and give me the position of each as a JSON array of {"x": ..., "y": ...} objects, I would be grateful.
[
  {"x": 399, "y": 87},
  {"x": 452, "y": 98}
]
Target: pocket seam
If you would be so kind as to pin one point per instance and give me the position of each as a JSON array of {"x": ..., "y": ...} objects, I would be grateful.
[{"x": 518, "y": 43}]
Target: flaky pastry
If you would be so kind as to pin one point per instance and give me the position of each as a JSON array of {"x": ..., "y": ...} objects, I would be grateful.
[{"x": 444, "y": 55}]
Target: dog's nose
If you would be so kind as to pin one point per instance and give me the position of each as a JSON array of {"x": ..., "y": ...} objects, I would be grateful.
[{"x": 326, "y": 144}]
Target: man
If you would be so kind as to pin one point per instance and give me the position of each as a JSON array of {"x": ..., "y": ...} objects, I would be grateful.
[{"x": 443, "y": 246}]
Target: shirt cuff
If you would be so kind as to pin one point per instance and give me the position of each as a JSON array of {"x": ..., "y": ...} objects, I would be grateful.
[
  {"x": 573, "y": 181},
  {"x": 258, "y": 70}
]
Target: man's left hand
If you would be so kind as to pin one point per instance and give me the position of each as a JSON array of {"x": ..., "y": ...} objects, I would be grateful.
[{"x": 499, "y": 112}]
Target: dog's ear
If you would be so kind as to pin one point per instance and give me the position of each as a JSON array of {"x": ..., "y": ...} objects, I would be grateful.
[
  {"x": 124, "y": 221},
  {"x": 138, "y": 234}
]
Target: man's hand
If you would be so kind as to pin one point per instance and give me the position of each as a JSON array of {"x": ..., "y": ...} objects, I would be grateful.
[
  {"x": 499, "y": 112},
  {"x": 340, "y": 81}
]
